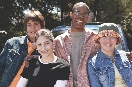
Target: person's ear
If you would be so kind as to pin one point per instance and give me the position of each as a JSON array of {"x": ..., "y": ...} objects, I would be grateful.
[
  {"x": 98, "y": 40},
  {"x": 70, "y": 14},
  {"x": 118, "y": 41},
  {"x": 88, "y": 19},
  {"x": 53, "y": 43}
]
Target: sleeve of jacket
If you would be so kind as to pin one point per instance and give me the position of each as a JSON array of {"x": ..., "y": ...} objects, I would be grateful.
[
  {"x": 95, "y": 47},
  {"x": 93, "y": 78},
  {"x": 3, "y": 58},
  {"x": 58, "y": 48}
]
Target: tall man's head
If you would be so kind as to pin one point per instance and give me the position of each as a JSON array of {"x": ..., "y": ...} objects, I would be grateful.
[{"x": 79, "y": 16}]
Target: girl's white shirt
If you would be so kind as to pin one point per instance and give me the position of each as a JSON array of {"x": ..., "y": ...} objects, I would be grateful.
[{"x": 23, "y": 82}]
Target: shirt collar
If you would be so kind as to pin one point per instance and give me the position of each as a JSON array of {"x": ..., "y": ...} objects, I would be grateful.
[
  {"x": 23, "y": 39},
  {"x": 102, "y": 56},
  {"x": 47, "y": 62},
  {"x": 67, "y": 34}
]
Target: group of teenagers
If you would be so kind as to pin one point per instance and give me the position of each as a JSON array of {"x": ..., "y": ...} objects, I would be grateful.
[{"x": 76, "y": 58}]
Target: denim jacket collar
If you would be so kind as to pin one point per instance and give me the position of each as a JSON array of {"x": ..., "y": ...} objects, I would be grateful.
[
  {"x": 25, "y": 40},
  {"x": 102, "y": 56}
]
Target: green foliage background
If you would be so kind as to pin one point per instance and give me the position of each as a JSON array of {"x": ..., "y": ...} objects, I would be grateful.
[{"x": 11, "y": 14}]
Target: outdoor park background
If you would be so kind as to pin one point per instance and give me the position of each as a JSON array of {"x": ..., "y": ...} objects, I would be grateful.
[{"x": 56, "y": 13}]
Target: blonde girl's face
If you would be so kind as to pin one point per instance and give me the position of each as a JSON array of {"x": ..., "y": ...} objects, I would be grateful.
[
  {"x": 108, "y": 43},
  {"x": 44, "y": 46}
]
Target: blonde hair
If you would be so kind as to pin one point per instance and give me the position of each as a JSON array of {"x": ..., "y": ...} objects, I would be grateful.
[{"x": 44, "y": 32}]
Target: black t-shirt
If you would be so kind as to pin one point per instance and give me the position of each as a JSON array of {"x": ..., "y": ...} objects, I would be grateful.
[{"x": 46, "y": 75}]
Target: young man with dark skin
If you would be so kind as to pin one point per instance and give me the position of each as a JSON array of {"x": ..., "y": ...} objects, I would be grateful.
[
  {"x": 76, "y": 45},
  {"x": 17, "y": 48}
]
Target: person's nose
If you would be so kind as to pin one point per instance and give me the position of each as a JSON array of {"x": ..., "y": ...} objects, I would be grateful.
[
  {"x": 43, "y": 47},
  {"x": 81, "y": 15},
  {"x": 108, "y": 38},
  {"x": 33, "y": 26}
]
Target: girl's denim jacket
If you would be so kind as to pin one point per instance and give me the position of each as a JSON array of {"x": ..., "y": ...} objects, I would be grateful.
[
  {"x": 101, "y": 70},
  {"x": 11, "y": 59}
]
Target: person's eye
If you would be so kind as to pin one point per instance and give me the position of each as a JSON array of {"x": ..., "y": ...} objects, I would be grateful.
[
  {"x": 113, "y": 37},
  {"x": 38, "y": 44},
  {"x": 36, "y": 23},
  {"x": 47, "y": 43},
  {"x": 28, "y": 25},
  {"x": 104, "y": 35},
  {"x": 85, "y": 15},
  {"x": 78, "y": 13}
]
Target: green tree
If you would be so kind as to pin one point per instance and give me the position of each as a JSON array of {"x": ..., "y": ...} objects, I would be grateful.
[
  {"x": 11, "y": 13},
  {"x": 11, "y": 16},
  {"x": 110, "y": 10},
  {"x": 127, "y": 26}
]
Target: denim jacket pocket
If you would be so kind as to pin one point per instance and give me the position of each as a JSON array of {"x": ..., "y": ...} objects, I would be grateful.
[
  {"x": 127, "y": 64},
  {"x": 102, "y": 73},
  {"x": 12, "y": 56}
]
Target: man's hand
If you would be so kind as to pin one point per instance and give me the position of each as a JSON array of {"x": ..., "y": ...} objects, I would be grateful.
[
  {"x": 29, "y": 57},
  {"x": 129, "y": 55}
]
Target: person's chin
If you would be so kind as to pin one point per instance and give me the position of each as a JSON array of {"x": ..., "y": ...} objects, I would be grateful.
[
  {"x": 78, "y": 27},
  {"x": 32, "y": 36}
]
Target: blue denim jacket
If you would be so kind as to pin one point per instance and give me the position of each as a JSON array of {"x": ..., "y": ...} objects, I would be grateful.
[
  {"x": 101, "y": 70},
  {"x": 11, "y": 59}
]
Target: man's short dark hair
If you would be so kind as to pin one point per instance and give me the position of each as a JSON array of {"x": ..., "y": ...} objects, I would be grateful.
[{"x": 80, "y": 3}]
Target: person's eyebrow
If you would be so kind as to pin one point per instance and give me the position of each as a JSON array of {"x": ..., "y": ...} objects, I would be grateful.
[{"x": 80, "y": 11}]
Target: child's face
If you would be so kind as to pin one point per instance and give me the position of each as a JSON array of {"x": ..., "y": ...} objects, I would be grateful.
[
  {"x": 32, "y": 28},
  {"x": 44, "y": 46},
  {"x": 108, "y": 43}
]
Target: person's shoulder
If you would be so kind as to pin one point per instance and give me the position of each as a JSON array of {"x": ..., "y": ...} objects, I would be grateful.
[
  {"x": 122, "y": 55},
  {"x": 19, "y": 38},
  {"x": 62, "y": 61},
  {"x": 61, "y": 36},
  {"x": 121, "y": 51},
  {"x": 33, "y": 61},
  {"x": 93, "y": 59},
  {"x": 90, "y": 33}
]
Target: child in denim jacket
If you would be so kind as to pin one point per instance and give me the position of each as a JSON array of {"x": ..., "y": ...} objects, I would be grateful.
[{"x": 109, "y": 67}]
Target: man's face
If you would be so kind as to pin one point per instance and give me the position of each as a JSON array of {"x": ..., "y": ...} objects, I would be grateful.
[
  {"x": 79, "y": 18},
  {"x": 32, "y": 28}
]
